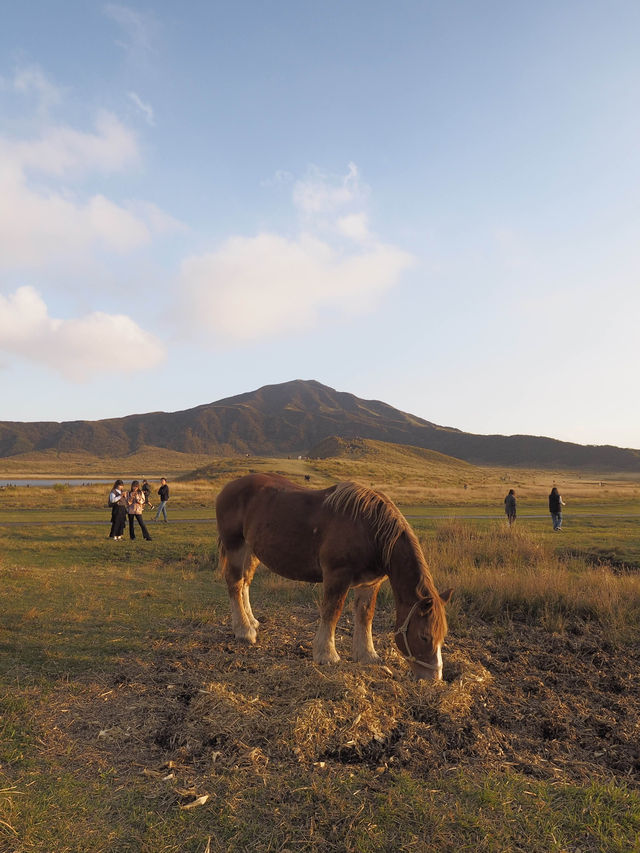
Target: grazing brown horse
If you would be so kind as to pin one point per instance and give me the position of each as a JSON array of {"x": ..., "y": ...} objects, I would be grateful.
[{"x": 344, "y": 536}]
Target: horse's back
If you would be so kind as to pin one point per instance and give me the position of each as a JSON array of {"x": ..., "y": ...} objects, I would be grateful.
[
  {"x": 241, "y": 491},
  {"x": 262, "y": 497},
  {"x": 279, "y": 520}
]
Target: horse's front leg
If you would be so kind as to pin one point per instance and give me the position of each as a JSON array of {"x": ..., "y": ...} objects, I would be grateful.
[
  {"x": 364, "y": 605},
  {"x": 324, "y": 642}
]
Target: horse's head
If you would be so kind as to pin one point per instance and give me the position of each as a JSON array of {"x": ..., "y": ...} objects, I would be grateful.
[{"x": 421, "y": 633}]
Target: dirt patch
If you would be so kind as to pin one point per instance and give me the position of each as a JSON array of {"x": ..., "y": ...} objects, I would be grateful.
[{"x": 561, "y": 707}]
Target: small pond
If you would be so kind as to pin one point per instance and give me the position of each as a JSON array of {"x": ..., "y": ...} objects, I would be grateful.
[{"x": 62, "y": 482}]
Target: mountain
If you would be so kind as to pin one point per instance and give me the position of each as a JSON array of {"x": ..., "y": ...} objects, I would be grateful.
[{"x": 293, "y": 418}]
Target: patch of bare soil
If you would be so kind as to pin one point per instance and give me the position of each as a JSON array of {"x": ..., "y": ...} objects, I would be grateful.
[{"x": 557, "y": 707}]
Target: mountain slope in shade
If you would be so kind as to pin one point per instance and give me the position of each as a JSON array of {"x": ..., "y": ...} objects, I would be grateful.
[{"x": 294, "y": 417}]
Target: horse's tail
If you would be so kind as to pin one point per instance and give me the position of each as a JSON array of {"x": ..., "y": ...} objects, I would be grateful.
[{"x": 222, "y": 555}]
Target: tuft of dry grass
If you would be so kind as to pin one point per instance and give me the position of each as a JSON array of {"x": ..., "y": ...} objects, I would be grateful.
[{"x": 502, "y": 572}]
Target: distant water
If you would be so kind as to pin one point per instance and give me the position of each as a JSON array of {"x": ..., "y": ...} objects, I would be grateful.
[{"x": 71, "y": 482}]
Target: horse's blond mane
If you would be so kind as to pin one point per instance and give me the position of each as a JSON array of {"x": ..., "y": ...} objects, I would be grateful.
[{"x": 388, "y": 525}]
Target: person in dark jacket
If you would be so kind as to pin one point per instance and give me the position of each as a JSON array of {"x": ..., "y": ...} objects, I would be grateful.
[
  {"x": 146, "y": 488},
  {"x": 163, "y": 492},
  {"x": 510, "y": 506},
  {"x": 555, "y": 508},
  {"x": 118, "y": 506}
]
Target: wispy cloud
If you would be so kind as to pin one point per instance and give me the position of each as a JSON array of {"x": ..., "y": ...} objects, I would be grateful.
[
  {"x": 319, "y": 193},
  {"x": 32, "y": 80},
  {"x": 39, "y": 224},
  {"x": 145, "y": 109},
  {"x": 61, "y": 149},
  {"x": 258, "y": 287},
  {"x": 78, "y": 348},
  {"x": 44, "y": 215},
  {"x": 138, "y": 30}
]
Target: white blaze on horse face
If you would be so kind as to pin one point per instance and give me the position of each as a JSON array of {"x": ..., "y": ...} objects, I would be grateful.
[{"x": 423, "y": 672}]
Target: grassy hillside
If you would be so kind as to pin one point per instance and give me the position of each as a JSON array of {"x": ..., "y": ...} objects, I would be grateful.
[
  {"x": 411, "y": 476},
  {"x": 414, "y": 476},
  {"x": 147, "y": 461}
]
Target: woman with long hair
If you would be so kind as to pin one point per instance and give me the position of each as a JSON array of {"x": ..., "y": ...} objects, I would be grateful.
[
  {"x": 135, "y": 505},
  {"x": 555, "y": 508},
  {"x": 118, "y": 506}
]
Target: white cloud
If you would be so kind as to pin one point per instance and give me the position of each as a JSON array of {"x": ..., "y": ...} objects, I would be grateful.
[
  {"x": 39, "y": 228},
  {"x": 158, "y": 220},
  {"x": 44, "y": 223},
  {"x": 62, "y": 149},
  {"x": 355, "y": 226},
  {"x": 77, "y": 348},
  {"x": 145, "y": 109},
  {"x": 259, "y": 287},
  {"x": 319, "y": 194}
]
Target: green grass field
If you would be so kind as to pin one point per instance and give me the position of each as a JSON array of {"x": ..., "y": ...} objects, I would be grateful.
[{"x": 130, "y": 720}]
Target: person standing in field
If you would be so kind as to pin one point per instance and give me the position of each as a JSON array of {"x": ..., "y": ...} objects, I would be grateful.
[
  {"x": 146, "y": 488},
  {"x": 555, "y": 508},
  {"x": 118, "y": 506},
  {"x": 163, "y": 492},
  {"x": 510, "y": 506},
  {"x": 135, "y": 505}
]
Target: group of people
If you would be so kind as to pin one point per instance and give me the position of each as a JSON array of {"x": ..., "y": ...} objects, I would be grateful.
[
  {"x": 555, "y": 507},
  {"x": 131, "y": 504}
]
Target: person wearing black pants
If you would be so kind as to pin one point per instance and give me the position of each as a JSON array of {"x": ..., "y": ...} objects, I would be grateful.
[
  {"x": 555, "y": 508},
  {"x": 118, "y": 506},
  {"x": 135, "y": 505}
]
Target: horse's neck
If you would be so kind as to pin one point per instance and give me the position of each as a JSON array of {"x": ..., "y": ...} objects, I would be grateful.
[{"x": 406, "y": 572}]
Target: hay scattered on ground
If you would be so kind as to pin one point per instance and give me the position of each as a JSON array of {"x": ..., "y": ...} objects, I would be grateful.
[{"x": 561, "y": 707}]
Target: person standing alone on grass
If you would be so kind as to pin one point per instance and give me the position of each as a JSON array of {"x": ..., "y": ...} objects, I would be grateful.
[
  {"x": 163, "y": 491},
  {"x": 510, "y": 506},
  {"x": 135, "y": 505},
  {"x": 118, "y": 506},
  {"x": 555, "y": 508}
]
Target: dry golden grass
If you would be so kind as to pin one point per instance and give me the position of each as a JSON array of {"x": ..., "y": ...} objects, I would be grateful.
[
  {"x": 152, "y": 461},
  {"x": 500, "y": 572},
  {"x": 409, "y": 475}
]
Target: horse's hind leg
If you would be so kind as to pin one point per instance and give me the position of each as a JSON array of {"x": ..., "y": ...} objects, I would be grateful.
[
  {"x": 238, "y": 563},
  {"x": 364, "y": 605},
  {"x": 250, "y": 571}
]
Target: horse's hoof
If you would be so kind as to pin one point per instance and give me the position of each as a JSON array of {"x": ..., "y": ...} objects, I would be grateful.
[
  {"x": 247, "y": 638},
  {"x": 368, "y": 660},
  {"x": 323, "y": 660}
]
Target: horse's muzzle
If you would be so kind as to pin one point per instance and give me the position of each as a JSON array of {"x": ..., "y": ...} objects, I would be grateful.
[{"x": 422, "y": 673}]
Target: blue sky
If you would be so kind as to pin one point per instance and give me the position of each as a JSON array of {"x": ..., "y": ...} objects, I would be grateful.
[{"x": 431, "y": 204}]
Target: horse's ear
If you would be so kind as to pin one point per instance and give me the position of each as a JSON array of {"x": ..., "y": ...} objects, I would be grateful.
[
  {"x": 446, "y": 595},
  {"x": 425, "y": 605}
]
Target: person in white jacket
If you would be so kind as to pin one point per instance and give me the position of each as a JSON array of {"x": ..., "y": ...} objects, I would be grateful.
[{"x": 135, "y": 505}]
